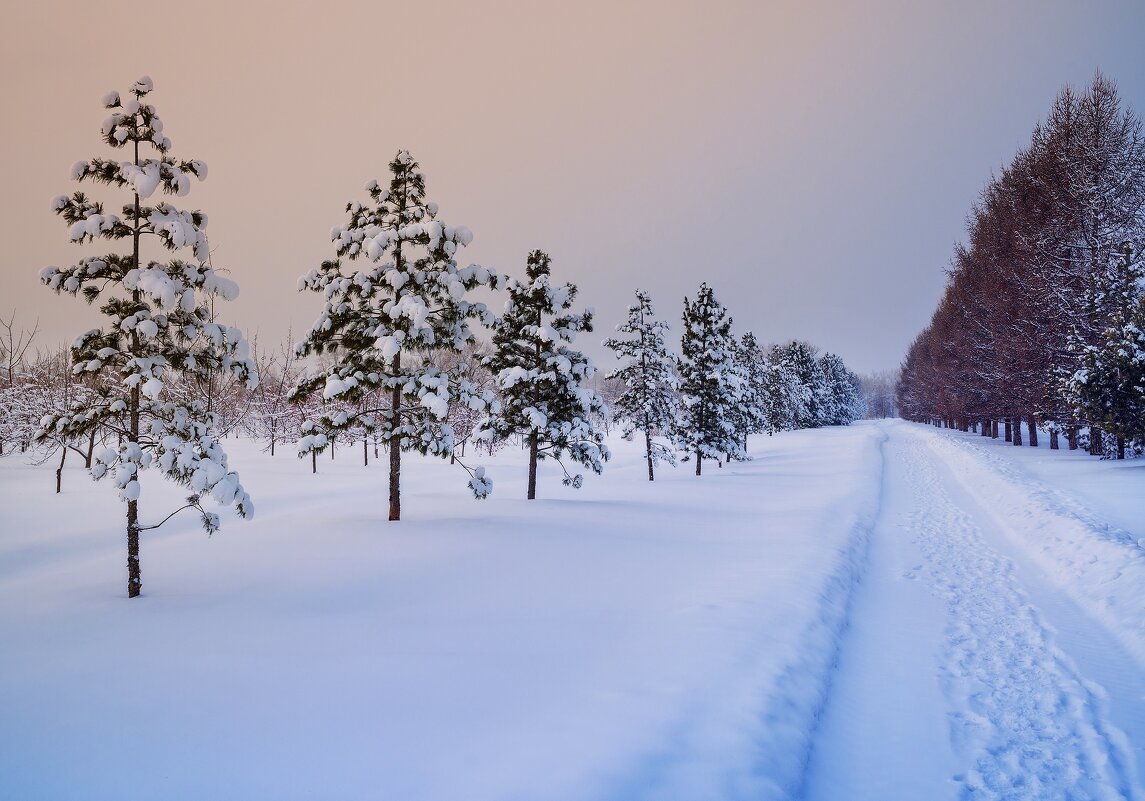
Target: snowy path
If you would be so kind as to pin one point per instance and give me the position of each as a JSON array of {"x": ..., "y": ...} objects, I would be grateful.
[{"x": 957, "y": 678}]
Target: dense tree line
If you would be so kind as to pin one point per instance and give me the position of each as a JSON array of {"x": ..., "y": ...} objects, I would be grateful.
[{"x": 1040, "y": 324}]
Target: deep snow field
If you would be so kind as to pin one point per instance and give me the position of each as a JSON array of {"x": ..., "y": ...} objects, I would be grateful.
[{"x": 884, "y": 611}]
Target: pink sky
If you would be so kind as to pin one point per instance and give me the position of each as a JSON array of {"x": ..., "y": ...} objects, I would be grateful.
[{"x": 813, "y": 161}]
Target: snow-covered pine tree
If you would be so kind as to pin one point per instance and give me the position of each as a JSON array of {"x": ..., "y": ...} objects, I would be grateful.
[
  {"x": 161, "y": 325},
  {"x": 382, "y": 322},
  {"x": 1108, "y": 390},
  {"x": 858, "y": 398},
  {"x": 837, "y": 399},
  {"x": 785, "y": 397},
  {"x": 800, "y": 356},
  {"x": 545, "y": 396},
  {"x": 751, "y": 410},
  {"x": 846, "y": 404},
  {"x": 649, "y": 402},
  {"x": 709, "y": 381}
]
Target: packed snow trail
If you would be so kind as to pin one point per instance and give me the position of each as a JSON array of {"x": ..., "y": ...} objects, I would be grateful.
[{"x": 951, "y": 682}]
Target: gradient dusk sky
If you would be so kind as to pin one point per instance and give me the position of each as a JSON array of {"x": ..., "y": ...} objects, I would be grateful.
[{"x": 813, "y": 161}]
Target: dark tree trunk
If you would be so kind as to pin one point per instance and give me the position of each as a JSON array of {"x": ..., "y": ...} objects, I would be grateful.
[
  {"x": 1033, "y": 431},
  {"x": 1071, "y": 434},
  {"x": 1009, "y": 430},
  {"x": 90, "y": 450},
  {"x": 993, "y": 428},
  {"x": 365, "y": 451},
  {"x": 1121, "y": 447},
  {"x": 1053, "y": 439},
  {"x": 313, "y": 461},
  {"x": 134, "y": 579},
  {"x": 1096, "y": 443},
  {"x": 648, "y": 453},
  {"x": 699, "y": 460},
  {"x": 1018, "y": 430},
  {"x": 60, "y": 469},
  {"x": 134, "y": 576},
  {"x": 534, "y": 446},
  {"x": 396, "y": 453}
]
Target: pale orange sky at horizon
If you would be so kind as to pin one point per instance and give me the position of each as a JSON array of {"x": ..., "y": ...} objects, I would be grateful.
[{"x": 814, "y": 162}]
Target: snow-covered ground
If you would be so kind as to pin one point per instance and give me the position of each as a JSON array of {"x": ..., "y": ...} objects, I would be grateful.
[{"x": 883, "y": 611}]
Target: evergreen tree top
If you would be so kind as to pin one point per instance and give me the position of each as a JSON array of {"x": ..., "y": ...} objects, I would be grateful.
[
  {"x": 707, "y": 325},
  {"x": 412, "y": 293},
  {"x": 650, "y": 332},
  {"x": 523, "y": 328},
  {"x": 134, "y": 122}
]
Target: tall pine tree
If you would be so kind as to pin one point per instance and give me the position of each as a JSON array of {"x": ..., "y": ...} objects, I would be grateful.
[
  {"x": 160, "y": 325},
  {"x": 709, "y": 381},
  {"x": 649, "y": 403},
  {"x": 544, "y": 397},
  {"x": 785, "y": 396},
  {"x": 751, "y": 402},
  {"x": 383, "y": 322},
  {"x": 844, "y": 397},
  {"x": 800, "y": 357}
]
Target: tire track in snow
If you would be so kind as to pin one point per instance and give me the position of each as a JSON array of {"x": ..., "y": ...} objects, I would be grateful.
[
  {"x": 767, "y": 758},
  {"x": 1030, "y": 725}
]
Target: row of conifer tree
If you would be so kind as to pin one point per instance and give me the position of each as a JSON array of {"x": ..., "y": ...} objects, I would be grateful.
[
  {"x": 1043, "y": 318},
  {"x": 386, "y": 358}
]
